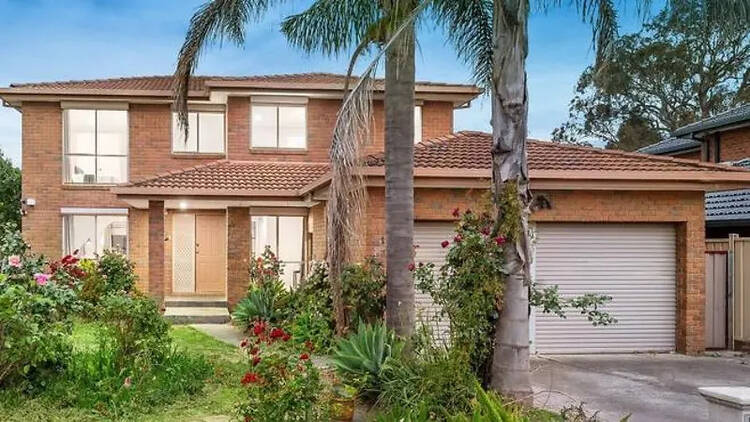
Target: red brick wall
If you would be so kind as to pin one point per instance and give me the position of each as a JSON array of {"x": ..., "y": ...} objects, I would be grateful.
[
  {"x": 735, "y": 144},
  {"x": 318, "y": 216},
  {"x": 138, "y": 245},
  {"x": 695, "y": 155},
  {"x": 683, "y": 209},
  {"x": 238, "y": 253}
]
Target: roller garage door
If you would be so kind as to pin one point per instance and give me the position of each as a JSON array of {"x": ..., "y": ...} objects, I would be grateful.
[{"x": 633, "y": 263}]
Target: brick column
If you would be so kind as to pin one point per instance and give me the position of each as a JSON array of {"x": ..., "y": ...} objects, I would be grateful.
[
  {"x": 238, "y": 253},
  {"x": 691, "y": 287},
  {"x": 156, "y": 250}
]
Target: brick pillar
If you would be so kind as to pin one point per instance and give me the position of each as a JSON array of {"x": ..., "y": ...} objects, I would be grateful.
[
  {"x": 156, "y": 249},
  {"x": 238, "y": 253},
  {"x": 691, "y": 283}
]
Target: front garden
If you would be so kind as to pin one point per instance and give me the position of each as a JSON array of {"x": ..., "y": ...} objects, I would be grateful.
[{"x": 79, "y": 342}]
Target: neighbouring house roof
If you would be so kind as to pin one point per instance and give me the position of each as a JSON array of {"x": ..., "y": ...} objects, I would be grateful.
[
  {"x": 200, "y": 85},
  {"x": 728, "y": 206},
  {"x": 231, "y": 178},
  {"x": 671, "y": 145},
  {"x": 732, "y": 117}
]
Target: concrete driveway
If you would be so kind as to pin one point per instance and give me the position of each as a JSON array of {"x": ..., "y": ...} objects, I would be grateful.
[{"x": 658, "y": 387}]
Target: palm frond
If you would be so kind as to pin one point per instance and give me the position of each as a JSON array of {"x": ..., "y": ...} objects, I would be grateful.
[
  {"x": 468, "y": 26},
  {"x": 213, "y": 22},
  {"x": 333, "y": 26}
]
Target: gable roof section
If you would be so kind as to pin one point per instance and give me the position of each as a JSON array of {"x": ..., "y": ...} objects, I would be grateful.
[
  {"x": 231, "y": 178},
  {"x": 735, "y": 116},
  {"x": 199, "y": 85},
  {"x": 471, "y": 150},
  {"x": 671, "y": 145}
]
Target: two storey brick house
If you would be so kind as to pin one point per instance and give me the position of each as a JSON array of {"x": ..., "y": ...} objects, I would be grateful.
[{"x": 105, "y": 166}]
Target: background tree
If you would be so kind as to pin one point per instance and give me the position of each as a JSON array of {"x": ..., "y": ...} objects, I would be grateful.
[
  {"x": 678, "y": 69},
  {"x": 10, "y": 192}
]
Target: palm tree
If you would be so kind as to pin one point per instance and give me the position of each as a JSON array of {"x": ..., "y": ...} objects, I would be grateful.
[
  {"x": 332, "y": 27},
  {"x": 336, "y": 26},
  {"x": 493, "y": 37}
]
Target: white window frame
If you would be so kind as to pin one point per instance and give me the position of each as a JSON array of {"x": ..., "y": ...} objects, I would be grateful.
[
  {"x": 418, "y": 123},
  {"x": 65, "y": 154},
  {"x": 197, "y": 134},
  {"x": 256, "y": 254},
  {"x": 93, "y": 212},
  {"x": 274, "y": 102}
]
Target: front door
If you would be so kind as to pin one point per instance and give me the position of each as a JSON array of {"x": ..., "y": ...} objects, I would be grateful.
[{"x": 198, "y": 253}]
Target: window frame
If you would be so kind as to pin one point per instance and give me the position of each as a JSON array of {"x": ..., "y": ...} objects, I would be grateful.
[
  {"x": 96, "y": 155},
  {"x": 253, "y": 233},
  {"x": 278, "y": 105},
  {"x": 69, "y": 213},
  {"x": 197, "y": 134},
  {"x": 418, "y": 128}
]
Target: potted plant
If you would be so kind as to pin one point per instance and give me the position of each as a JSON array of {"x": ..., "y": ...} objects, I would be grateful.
[{"x": 343, "y": 402}]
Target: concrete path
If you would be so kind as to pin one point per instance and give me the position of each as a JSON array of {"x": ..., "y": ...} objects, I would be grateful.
[
  {"x": 227, "y": 333},
  {"x": 654, "y": 388}
]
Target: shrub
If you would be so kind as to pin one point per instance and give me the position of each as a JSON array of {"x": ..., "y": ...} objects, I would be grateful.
[
  {"x": 360, "y": 358},
  {"x": 267, "y": 298},
  {"x": 364, "y": 291},
  {"x": 491, "y": 408},
  {"x": 282, "y": 383},
  {"x": 137, "y": 325},
  {"x": 438, "y": 381},
  {"x": 313, "y": 328}
]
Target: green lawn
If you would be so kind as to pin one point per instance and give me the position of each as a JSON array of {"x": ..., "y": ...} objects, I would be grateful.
[{"x": 219, "y": 394}]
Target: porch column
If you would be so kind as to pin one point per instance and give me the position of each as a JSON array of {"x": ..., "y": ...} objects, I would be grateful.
[
  {"x": 238, "y": 253},
  {"x": 156, "y": 250}
]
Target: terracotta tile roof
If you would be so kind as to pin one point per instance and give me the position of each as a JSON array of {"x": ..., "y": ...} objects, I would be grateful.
[
  {"x": 471, "y": 150},
  {"x": 242, "y": 177},
  {"x": 201, "y": 83}
]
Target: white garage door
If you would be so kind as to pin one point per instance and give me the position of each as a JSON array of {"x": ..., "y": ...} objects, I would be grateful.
[
  {"x": 428, "y": 236},
  {"x": 633, "y": 263}
]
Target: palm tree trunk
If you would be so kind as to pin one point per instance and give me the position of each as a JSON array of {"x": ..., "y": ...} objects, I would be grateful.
[
  {"x": 399, "y": 183},
  {"x": 510, "y": 361}
]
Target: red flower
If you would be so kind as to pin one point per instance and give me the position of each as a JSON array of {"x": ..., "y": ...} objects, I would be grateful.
[
  {"x": 445, "y": 243},
  {"x": 243, "y": 343},
  {"x": 411, "y": 266},
  {"x": 259, "y": 327},
  {"x": 309, "y": 345},
  {"x": 286, "y": 337},
  {"x": 250, "y": 377},
  {"x": 304, "y": 356},
  {"x": 500, "y": 240},
  {"x": 256, "y": 360},
  {"x": 485, "y": 231},
  {"x": 468, "y": 211},
  {"x": 458, "y": 238},
  {"x": 277, "y": 333},
  {"x": 254, "y": 351},
  {"x": 456, "y": 212}
]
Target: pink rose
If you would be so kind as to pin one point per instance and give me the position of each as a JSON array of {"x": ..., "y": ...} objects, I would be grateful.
[
  {"x": 14, "y": 261},
  {"x": 411, "y": 267},
  {"x": 42, "y": 279},
  {"x": 500, "y": 240}
]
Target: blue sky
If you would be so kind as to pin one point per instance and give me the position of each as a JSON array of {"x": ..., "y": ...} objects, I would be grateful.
[{"x": 45, "y": 40}]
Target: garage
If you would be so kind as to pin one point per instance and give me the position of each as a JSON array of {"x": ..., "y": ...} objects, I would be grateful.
[{"x": 633, "y": 263}]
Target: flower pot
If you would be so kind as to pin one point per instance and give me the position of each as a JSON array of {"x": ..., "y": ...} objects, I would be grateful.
[{"x": 343, "y": 409}]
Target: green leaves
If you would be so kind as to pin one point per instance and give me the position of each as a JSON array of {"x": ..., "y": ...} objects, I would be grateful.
[{"x": 360, "y": 358}]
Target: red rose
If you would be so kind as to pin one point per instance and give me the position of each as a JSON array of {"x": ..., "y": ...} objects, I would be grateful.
[
  {"x": 286, "y": 337},
  {"x": 486, "y": 231},
  {"x": 411, "y": 266},
  {"x": 458, "y": 238},
  {"x": 249, "y": 378},
  {"x": 254, "y": 351},
  {"x": 456, "y": 212},
  {"x": 500, "y": 240},
  {"x": 444, "y": 243},
  {"x": 304, "y": 356},
  {"x": 309, "y": 346},
  {"x": 256, "y": 360},
  {"x": 258, "y": 328},
  {"x": 243, "y": 343},
  {"x": 277, "y": 333}
]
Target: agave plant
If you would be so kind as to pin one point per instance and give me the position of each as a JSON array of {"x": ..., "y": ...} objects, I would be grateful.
[
  {"x": 360, "y": 358},
  {"x": 259, "y": 304}
]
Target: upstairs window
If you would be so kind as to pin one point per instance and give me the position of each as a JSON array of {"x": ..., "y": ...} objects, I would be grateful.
[
  {"x": 281, "y": 126},
  {"x": 417, "y": 124},
  {"x": 95, "y": 146},
  {"x": 205, "y": 133}
]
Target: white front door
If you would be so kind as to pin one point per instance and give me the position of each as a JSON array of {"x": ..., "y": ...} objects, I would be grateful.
[{"x": 183, "y": 253}]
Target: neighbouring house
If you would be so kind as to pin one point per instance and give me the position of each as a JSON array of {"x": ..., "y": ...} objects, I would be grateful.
[
  {"x": 106, "y": 166},
  {"x": 724, "y": 138}
]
